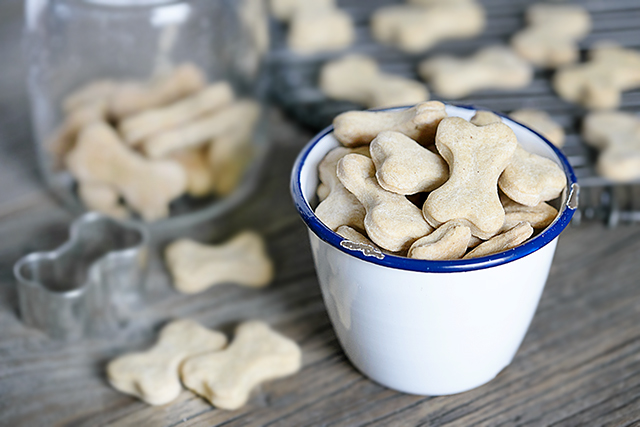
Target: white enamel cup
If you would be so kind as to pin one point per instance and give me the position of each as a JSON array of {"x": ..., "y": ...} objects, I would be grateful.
[{"x": 430, "y": 327}]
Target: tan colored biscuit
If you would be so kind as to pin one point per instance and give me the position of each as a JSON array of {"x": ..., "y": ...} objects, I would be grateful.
[
  {"x": 449, "y": 241},
  {"x": 539, "y": 216},
  {"x": 392, "y": 222},
  {"x": 617, "y": 135},
  {"x": 284, "y": 10},
  {"x": 340, "y": 207},
  {"x": 323, "y": 191},
  {"x": 257, "y": 354},
  {"x": 136, "y": 128},
  {"x": 599, "y": 83},
  {"x": 242, "y": 260},
  {"x": 419, "y": 123},
  {"x": 349, "y": 78},
  {"x": 493, "y": 67},
  {"x": 484, "y": 118},
  {"x": 390, "y": 90},
  {"x": 196, "y": 166},
  {"x": 540, "y": 121},
  {"x": 405, "y": 167},
  {"x": 550, "y": 40},
  {"x": 502, "y": 242},
  {"x": 418, "y": 28},
  {"x": 476, "y": 155},
  {"x": 530, "y": 179},
  {"x": 318, "y": 29},
  {"x": 147, "y": 186},
  {"x": 102, "y": 198},
  {"x": 153, "y": 375},
  {"x": 199, "y": 132},
  {"x": 133, "y": 98}
]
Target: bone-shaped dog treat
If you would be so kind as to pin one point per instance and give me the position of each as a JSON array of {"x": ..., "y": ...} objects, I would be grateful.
[
  {"x": 315, "y": 29},
  {"x": 323, "y": 191},
  {"x": 551, "y": 38},
  {"x": 502, "y": 242},
  {"x": 539, "y": 216},
  {"x": 132, "y": 98},
  {"x": 419, "y": 123},
  {"x": 599, "y": 83},
  {"x": 540, "y": 121},
  {"x": 284, "y": 10},
  {"x": 617, "y": 135},
  {"x": 530, "y": 179},
  {"x": 416, "y": 28},
  {"x": 257, "y": 354},
  {"x": 153, "y": 375},
  {"x": 340, "y": 207},
  {"x": 449, "y": 241},
  {"x": 94, "y": 91},
  {"x": 493, "y": 67},
  {"x": 392, "y": 222},
  {"x": 476, "y": 155},
  {"x": 356, "y": 78},
  {"x": 349, "y": 78},
  {"x": 147, "y": 186},
  {"x": 214, "y": 125},
  {"x": 243, "y": 260},
  {"x": 195, "y": 162},
  {"x": 405, "y": 167},
  {"x": 483, "y": 118},
  {"x": 143, "y": 125},
  {"x": 102, "y": 198}
]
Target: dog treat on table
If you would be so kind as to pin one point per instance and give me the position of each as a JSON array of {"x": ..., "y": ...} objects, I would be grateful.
[
  {"x": 493, "y": 67},
  {"x": 540, "y": 121},
  {"x": 617, "y": 135},
  {"x": 153, "y": 375},
  {"x": 550, "y": 39},
  {"x": 391, "y": 221},
  {"x": 417, "y": 28},
  {"x": 147, "y": 186},
  {"x": 598, "y": 83},
  {"x": 257, "y": 354},
  {"x": 243, "y": 260},
  {"x": 405, "y": 167},
  {"x": 449, "y": 241},
  {"x": 357, "y": 78},
  {"x": 419, "y": 123}
]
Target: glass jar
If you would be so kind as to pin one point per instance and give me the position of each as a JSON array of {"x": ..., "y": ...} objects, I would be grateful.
[{"x": 86, "y": 56}]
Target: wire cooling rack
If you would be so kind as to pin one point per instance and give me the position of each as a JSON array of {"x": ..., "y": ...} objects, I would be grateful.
[{"x": 295, "y": 86}]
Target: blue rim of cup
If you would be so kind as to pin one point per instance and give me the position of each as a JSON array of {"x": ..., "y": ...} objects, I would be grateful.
[{"x": 448, "y": 266}]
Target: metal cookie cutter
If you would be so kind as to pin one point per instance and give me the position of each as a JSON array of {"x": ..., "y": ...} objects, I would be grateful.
[{"x": 87, "y": 286}]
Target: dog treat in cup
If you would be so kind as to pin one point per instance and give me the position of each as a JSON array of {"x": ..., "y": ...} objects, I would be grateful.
[{"x": 419, "y": 323}]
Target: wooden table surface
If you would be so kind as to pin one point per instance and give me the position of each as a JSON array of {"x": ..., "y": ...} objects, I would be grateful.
[{"x": 578, "y": 365}]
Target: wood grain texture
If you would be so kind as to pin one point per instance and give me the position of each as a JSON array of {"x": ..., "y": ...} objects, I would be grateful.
[{"x": 579, "y": 363}]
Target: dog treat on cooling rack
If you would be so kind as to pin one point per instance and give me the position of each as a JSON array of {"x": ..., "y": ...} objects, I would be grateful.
[
  {"x": 418, "y": 28},
  {"x": 493, "y": 67},
  {"x": 153, "y": 375},
  {"x": 284, "y": 10},
  {"x": 243, "y": 260},
  {"x": 540, "y": 121},
  {"x": 449, "y": 241},
  {"x": 419, "y": 123},
  {"x": 356, "y": 78},
  {"x": 598, "y": 83},
  {"x": 257, "y": 354},
  {"x": 340, "y": 207},
  {"x": 456, "y": 185},
  {"x": 392, "y": 222},
  {"x": 550, "y": 39},
  {"x": 617, "y": 135},
  {"x": 317, "y": 29}
]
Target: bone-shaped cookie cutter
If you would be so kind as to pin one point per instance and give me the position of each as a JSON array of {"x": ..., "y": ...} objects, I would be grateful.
[{"x": 87, "y": 286}]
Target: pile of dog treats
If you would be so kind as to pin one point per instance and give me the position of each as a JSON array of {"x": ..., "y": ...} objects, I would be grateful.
[
  {"x": 420, "y": 184},
  {"x": 548, "y": 41},
  {"x": 134, "y": 147}
]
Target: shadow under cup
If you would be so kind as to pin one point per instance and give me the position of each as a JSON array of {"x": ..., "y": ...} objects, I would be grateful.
[{"x": 430, "y": 327}]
